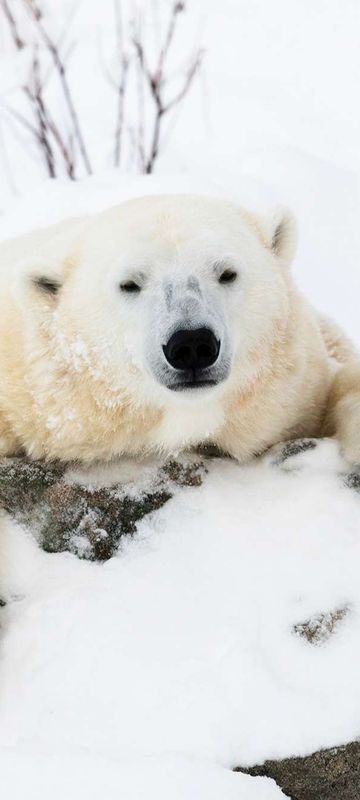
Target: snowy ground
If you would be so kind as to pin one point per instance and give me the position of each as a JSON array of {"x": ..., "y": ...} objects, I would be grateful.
[{"x": 154, "y": 674}]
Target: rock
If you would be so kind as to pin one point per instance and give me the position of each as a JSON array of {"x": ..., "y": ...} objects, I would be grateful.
[
  {"x": 326, "y": 775},
  {"x": 318, "y": 629},
  {"x": 88, "y": 522},
  {"x": 282, "y": 452},
  {"x": 352, "y": 480}
]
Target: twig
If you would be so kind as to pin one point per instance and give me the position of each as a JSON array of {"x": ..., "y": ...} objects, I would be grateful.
[
  {"x": 24, "y": 142},
  {"x": 177, "y": 9},
  {"x": 19, "y": 42},
  {"x": 190, "y": 75},
  {"x": 157, "y": 82},
  {"x": 44, "y": 125},
  {"x": 48, "y": 124},
  {"x": 140, "y": 133},
  {"x": 61, "y": 40},
  {"x": 33, "y": 97},
  {"x": 37, "y": 100},
  {"x": 35, "y": 9},
  {"x": 61, "y": 70},
  {"x": 122, "y": 85},
  {"x": 20, "y": 118},
  {"x": 120, "y": 110},
  {"x": 154, "y": 98}
]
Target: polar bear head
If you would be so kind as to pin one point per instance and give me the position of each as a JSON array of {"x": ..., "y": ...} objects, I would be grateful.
[{"x": 169, "y": 298}]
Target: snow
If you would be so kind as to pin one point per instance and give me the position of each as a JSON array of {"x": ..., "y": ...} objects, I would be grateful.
[
  {"x": 154, "y": 674},
  {"x": 182, "y": 647},
  {"x": 177, "y": 777}
]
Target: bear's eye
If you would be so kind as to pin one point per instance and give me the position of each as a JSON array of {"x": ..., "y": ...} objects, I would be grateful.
[
  {"x": 228, "y": 276},
  {"x": 47, "y": 285},
  {"x": 130, "y": 286}
]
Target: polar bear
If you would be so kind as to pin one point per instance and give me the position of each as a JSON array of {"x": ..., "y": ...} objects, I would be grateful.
[{"x": 165, "y": 323}]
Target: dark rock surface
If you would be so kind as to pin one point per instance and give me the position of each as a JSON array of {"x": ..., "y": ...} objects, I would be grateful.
[
  {"x": 292, "y": 448},
  {"x": 318, "y": 629},
  {"x": 88, "y": 522},
  {"x": 326, "y": 775},
  {"x": 352, "y": 480}
]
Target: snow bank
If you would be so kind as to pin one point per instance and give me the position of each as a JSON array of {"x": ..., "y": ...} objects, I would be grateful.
[
  {"x": 82, "y": 778},
  {"x": 187, "y": 644}
]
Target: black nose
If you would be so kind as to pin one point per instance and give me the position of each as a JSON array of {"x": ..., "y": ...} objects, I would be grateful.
[{"x": 193, "y": 350}]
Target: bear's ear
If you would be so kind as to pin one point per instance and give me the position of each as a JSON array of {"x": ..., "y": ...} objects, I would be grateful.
[{"x": 281, "y": 234}]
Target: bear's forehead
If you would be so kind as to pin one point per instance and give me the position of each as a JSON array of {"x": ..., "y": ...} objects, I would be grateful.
[
  {"x": 177, "y": 217},
  {"x": 173, "y": 229},
  {"x": 168, "y": 233}
]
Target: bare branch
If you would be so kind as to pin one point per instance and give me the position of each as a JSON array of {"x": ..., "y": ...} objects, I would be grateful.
[
  {"x": 39, "y": 132},
  {"x": 177, "y": 9},
  {"x": 20, "y": 118},
  {"x": 154, "y": 96},
  {"x": 36, "y": 10},
  {"x": 37, "y": 100},
  {"x": 157, "y": 81},
  {"x": 140, "y": 133},
  {"x": 62, "y": 38},
  {"x": 120, "y": 110},
  {"x": 61, "y": 70},
  {"x": 48, "y": 125},
  {"x": 44, "y": 127},
  {"x": 190, "y": 75},
  {"x": 124, "y": 63},
  {"x": 18, "y": 41},
  {"x": 24, "y": 141},
  {"x": 66, "y": 151}
]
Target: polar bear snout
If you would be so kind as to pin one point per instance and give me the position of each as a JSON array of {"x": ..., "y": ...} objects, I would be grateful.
[
  {"x": 190, "y": 346},
  {"x": 194, "y": 359},
  {"x": 192, "y": 349}
]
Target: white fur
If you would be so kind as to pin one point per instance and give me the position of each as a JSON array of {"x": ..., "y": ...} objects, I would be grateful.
[{"x": 83, "y": 374}]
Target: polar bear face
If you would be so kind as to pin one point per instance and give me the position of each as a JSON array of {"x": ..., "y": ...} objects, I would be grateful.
[{"x": 170, "y": 297}]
